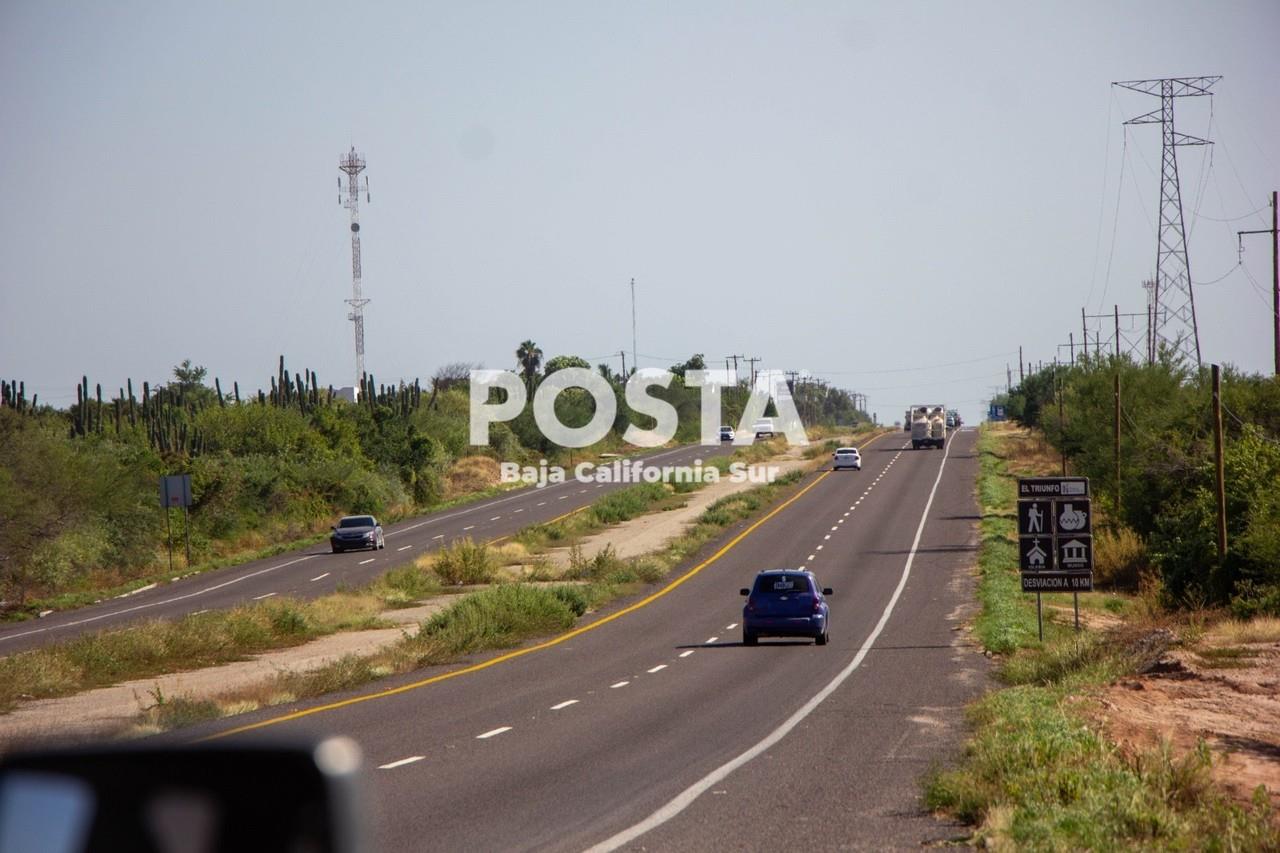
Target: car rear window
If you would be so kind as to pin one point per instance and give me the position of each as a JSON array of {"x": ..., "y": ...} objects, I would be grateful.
[
  {"x": 357, "y": 521},
  {"x": 848, "y": 451},
  {"x": 782, "y": 585}
]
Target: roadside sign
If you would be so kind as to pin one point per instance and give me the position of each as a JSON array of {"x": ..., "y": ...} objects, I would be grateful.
[
  {"x": 1053, "y": 487},
  {"x": 175, "y": 490},
  {"x": 1035, "y": 553},
  {"x": 1055, "y": 537},
  {"x": 1035, "y": 518},
  {"x": 1075, "y": 553},
  {"x": 1072, "y": 517},
  {"x": 1057, "y": 582}
]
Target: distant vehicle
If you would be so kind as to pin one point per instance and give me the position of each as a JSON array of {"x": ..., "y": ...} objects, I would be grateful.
[
  {"x": 764, "y": 428},
  {"x": 726, "y": 433},
  {"x": 928, "y": 426},
  {"x": 846, "y": 457},
  {"x": 356, "y": 531},
  {"x": 906, "y": 421},
  {"x": 953, "y": 419},
  {"x": 785, "y": 603}
]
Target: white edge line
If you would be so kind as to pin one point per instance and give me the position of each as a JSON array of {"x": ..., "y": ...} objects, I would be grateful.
[
  {"x": 150, "y": 604},
  {"x": 686, "y": 797},
  {"x": 401, "y": 762}
]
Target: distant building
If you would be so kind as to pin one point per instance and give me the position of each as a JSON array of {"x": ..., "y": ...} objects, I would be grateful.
[{"x": 348, "y": 393}]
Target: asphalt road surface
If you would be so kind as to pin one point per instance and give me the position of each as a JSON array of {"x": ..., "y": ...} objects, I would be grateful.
[
  {"x": 653, "y": 728},
  {"x": 315, "y": 571}
]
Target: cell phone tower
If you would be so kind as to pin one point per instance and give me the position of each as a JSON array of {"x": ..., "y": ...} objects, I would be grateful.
[
  {"x": 353, "y": 164},
  {"x": 1173, "y": 314}
]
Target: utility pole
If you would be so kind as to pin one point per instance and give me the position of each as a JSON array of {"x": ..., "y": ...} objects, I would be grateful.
[
  {"x": 1071, "y": 340},
  {"x": 752, "y": 361},
  {"x": 1117, "y": 443},
  {"x": 1008, "y": 379},
  {"x": 1117, "y": 330},
  {"x": 1275, "y": 275},
  {"x": 1062, "y": 424},
  {"x": 352, "y": 164},
  {"x": 1219, "y": 472},
  {"x": 1084, "y": 330},
  {"x": 623, "y": 353},
  {"x": 1022, "y": 377},
  {"x": 1173, "y": 269},
  {"x": 735, "y": 366}
]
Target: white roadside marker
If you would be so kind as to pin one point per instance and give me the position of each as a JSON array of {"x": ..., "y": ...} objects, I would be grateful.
[
  {"x": 493, "y": 732},
  {"x": 402, "y": 762}
]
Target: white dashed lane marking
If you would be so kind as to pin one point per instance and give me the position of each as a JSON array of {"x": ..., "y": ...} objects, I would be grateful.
[
  {"x": 565, "y": 704},
  {"x": 731, "y": 626},
  {"x": 712, "y": 639},
  {"x": 320, "y": 577},
  {"x": 493, "y": 732},
  {"x": 260, "y": 597},
  {"x": 401, "y": 763},
  {"x": 468, "y": 527},
  {"x": 404, "y": 547},
  {"x": 619, "y": 684},
  {"x": 657, "y": 668},
  {"x": 370, "y": 560},
  {"x": 686, "y": 654}
]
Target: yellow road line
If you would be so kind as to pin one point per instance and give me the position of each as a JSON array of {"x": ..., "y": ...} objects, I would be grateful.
[{"x": 546, "y": 644}]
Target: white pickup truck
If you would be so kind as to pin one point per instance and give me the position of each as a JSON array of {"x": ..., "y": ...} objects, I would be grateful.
[{"x": 764, "y": 428}]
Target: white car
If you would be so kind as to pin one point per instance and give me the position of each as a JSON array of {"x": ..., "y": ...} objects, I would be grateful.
[
  {"x": 846, "y": 457},
  {"x": 726, "y": 433}
]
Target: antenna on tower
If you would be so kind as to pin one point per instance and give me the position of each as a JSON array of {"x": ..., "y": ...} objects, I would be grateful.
[
  {"x": 1172, "y": 297},
  {"x": 352, "y": 164}
]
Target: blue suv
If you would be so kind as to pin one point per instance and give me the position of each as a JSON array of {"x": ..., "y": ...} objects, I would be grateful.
[{"x": 785, "y": 603}]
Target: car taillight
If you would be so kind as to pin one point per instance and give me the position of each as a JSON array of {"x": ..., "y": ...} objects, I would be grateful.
[
  {"x": 751, "y": 605},
  {"x": 817, "y": 605}
]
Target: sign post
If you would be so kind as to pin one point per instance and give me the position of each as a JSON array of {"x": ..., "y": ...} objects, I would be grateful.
[
  {"x": 1055, "y": 538},
  {"x": 175, "y": 490}
]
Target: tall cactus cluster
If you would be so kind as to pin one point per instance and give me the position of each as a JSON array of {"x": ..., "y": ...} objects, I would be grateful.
[
  {"x": 167, "y": 413},
  {"x": 14, "y": 395}
]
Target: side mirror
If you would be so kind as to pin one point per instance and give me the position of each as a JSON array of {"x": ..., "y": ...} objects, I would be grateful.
[
  {"x": 187, "y": 797},
  {"x": 826, "y": 590},
  {"x": 744, "y": 592}
]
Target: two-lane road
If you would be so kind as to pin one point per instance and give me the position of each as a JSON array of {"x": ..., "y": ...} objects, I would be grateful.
[
  {"x": 654, "y": 727},
  {"x": 315, "y": 571}
]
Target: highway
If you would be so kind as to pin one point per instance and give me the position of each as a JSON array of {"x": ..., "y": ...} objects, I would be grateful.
[
  {"x": 315, "y": 571},
  {"x": 651, "y": 727}
]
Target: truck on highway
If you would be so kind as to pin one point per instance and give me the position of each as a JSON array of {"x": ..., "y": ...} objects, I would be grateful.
[
  {"x": 928, "y": 426},
  {"x": 764, "y": 427}
]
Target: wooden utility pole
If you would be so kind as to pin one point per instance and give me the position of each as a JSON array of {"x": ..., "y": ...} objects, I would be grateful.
[
  {"x": 1220, "y": 482},
  {"x": 1071, "y": 342},
  {"x": 1274, "y": 231},
  {"x": 1022, "y": 377},
  {"x": 623, "y": 353},
  {"x": 1117, "y": 331},
  {"x": 1119, "y": 491},
  {"x": 1084, "y": 331},
  {"x": 752, "y": 361},
  {"x": 1061, "y": 419}
]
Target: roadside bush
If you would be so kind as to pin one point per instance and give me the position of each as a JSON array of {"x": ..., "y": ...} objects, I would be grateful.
[
  {"x": 496, "y": 617},
  {"x": 465, "y": 562},
  {"x": 626, "y": 504},
  {"x": 1119, "y": 557}
]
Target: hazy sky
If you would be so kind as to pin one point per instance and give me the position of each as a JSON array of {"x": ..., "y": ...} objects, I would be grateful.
[{"x": 850, "y": 188}]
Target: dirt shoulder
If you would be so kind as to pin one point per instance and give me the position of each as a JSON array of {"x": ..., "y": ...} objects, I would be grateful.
[{"x": 1220, "y": 691}]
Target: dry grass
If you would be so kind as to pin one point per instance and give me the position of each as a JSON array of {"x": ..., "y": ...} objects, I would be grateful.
[
  {"x": 1119, "y": 557},
  {"x": 471, "y": 474},
  {"x": 1262, "y": 629}
]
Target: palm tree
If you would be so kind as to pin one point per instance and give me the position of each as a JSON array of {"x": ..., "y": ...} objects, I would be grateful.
[{"x": 530, "y": 358}]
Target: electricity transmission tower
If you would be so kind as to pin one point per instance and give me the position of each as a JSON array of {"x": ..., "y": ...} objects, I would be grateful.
[
  {"x": 1174, "y": 312},
  {"x": 353, "y": 164}
]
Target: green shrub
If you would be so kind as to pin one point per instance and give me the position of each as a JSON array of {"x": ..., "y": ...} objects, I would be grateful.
[
  {"x": 496, "y": 617},
  {"x": 465, "y": 562}
]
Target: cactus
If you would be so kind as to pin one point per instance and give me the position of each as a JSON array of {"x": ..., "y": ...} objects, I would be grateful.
[{"x": 217, "y": 386}]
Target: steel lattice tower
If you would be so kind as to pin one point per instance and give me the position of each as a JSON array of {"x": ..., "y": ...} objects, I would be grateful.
[
  {"x": 1174, "y": 311},
  {"x": 353, "y": 164}
]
